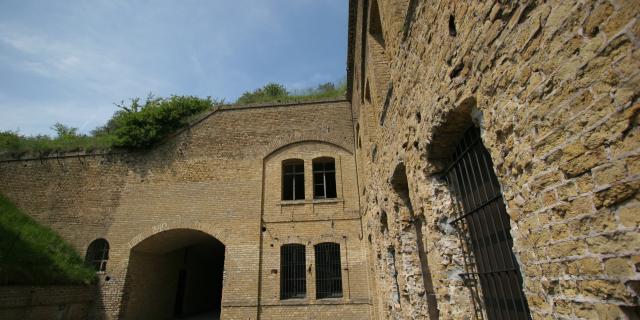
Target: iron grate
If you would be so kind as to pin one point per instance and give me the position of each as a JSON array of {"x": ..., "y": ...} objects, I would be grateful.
[{"x": 485, "y": 228}]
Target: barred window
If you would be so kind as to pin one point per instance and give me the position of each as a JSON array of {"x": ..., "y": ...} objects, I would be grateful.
[
  {"x": 485, "y": 225},
  {"x": 293, "y": 180},
  {"x": 324, "y": 178},
  {"x": 328, "y": 272},
  {"x": 97, "y": 255},
  {"x": 293, "y": 281}
]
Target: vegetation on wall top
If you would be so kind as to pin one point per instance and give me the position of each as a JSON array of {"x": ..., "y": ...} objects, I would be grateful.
[
  {"x": 135, "y": 125},
  {"x": 274, "y": 92},
  {"x": 139, "y": 125},
  {"x": 31, "y": 254}
]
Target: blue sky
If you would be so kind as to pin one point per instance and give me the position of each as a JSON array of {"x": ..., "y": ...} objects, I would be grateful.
[{"x": 70, "y": 60}]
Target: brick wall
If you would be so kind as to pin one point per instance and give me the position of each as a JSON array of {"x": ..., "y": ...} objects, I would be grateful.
[
  {"x": 554, "y": 87},
  {"x": 213, "y": 177},
  {"x": 53, "y": 302}
]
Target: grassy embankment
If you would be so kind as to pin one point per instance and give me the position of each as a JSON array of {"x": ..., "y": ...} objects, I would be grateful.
[{"x": 31, "y": 254}]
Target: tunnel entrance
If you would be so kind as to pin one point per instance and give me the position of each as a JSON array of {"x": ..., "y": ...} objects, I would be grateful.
[{"x": 175, "y": 274}]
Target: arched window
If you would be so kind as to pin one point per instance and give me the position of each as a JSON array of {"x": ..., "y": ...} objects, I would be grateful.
[
  {"x": 485, "y": 223},
  {"x": 293, "y": 179},
  {"x": 293, "y": 281},
  {"x": 97, "y": 255},
  {"x": 324, "y": 178},
  {"x": 328, "y": 271}
]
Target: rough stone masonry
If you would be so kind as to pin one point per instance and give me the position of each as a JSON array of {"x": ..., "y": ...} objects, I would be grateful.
[
  {"x": 487, "y": 166},
  {"x": 553, "y": 87}
]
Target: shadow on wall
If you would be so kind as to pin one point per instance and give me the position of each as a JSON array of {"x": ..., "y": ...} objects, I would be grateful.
[
  {"x": 400, "y": 186},
  {"x": 186, "y": 279}
]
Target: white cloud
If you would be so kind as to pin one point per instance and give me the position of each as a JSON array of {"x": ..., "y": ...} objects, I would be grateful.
[{"x": 92, "y": 67}]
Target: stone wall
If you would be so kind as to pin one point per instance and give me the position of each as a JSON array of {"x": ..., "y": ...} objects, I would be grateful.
[
  {"x": 53, "y": 302},
  {"x": 210, "y": 178},
  {"x": 554, "y": 88}
]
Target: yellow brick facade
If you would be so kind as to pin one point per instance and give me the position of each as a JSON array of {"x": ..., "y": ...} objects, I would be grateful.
[{"x": 551, "y": 86}]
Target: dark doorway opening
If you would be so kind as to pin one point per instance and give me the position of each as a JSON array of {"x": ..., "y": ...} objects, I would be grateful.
[
  {"x": 176, "y": 274},
  {"x": 182, "y": 278}
]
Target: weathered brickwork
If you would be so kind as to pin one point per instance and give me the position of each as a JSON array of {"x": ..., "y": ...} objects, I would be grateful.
[
  {"x": 53, "y": 302},
  {"x": 219, "y": 178},
  {"x": 554, "y": 88}
]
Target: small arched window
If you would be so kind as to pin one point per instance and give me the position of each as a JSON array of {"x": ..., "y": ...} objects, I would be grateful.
[
  {"x": 328, "y": 270},
  {"x": 97, "y": 255},
  {"x": 293, "y": 281},
  {"x": 293, "y": 179},
  {"x": 324, "y": 178}
]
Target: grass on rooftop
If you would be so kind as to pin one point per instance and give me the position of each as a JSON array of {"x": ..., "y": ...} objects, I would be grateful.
[{"x": 139, "y": 125}]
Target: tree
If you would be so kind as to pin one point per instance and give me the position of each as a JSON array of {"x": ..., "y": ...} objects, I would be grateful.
[{"x": 64, "y": 131}]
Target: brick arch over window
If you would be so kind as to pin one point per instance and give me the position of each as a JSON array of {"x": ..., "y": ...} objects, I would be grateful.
[
  {"x": 453, "y": 126},
  {"x": 276, "y": 146},
  {"x": 98, "y": 254},
  {"x": 479, "y": 215}
]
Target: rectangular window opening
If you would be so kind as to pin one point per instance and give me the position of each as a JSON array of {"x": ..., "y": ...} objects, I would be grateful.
[
  {"x": 328, "y": 271},
  {"x": 324, "y": 179},
  {"x": 293, "y": 282},
  {"x": 293, "y": 180}
]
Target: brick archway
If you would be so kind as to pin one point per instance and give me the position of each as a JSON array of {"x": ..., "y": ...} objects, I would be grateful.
[{"x": 174, "y": 273}]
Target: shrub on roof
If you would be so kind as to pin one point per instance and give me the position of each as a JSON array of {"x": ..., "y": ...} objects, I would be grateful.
[
  {"x": 139, "y": 125},
  {"x": 277, "y": 93}
]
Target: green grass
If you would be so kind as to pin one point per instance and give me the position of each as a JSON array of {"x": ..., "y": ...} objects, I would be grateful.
[
  {"x": 14, "y": 144},
  {"x": 31, "y": 254},
  {"x": 140, "y": 125},
  {"x": 276, "y": 93}
]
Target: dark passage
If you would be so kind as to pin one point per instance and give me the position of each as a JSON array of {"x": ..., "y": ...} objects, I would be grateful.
[
  {"x": 199, "y": 288},
  {"x": 176, "y": 274}
]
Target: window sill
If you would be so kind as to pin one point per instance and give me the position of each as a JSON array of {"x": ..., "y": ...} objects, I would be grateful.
[
  {"x": 294, "y": 301},
  {"x": 292, "y": 202},
  {"x": 329, "y": 200},
  {"x": 309, "y": 301},
  {"x": 333, "y": 300},
  {"x": 305, "y": 201}
]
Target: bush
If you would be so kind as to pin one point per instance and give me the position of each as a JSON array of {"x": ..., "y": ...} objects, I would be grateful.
[
  {"x": 31, "y": 254},
  {"x": 141, "y": 125},
  {"x": 15, "y": 144},
  {"x": 134, "y": 126},
  {"x": 274, "y": 92},
  {"x": 268, "y": 93}
]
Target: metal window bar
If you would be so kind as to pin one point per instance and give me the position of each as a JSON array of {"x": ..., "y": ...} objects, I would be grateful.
[
  {"x": 98, "y": 255},
  {"x": 293, "y": 181},
  {"x": 324, "y": 179},
  {"x": 328, "y": 271},
  {"x": 484, "y": 226},
  {"x": 293, "y": 281}
]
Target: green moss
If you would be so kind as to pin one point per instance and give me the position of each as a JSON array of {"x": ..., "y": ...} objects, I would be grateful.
[{"x": 31, "y": 254}]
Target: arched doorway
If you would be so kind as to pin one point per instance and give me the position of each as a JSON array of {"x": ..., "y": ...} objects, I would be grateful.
[{"x": 175, "y": 274}]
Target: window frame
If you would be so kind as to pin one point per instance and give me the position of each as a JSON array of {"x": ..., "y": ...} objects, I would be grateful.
[
  {"x": 289, "y": 289},
  {"x": 328, "y": 270},
  {"x": 97, "y": 255},
  {"x": 324, "y": 172},
  {"x": 294, "y": 163}
]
